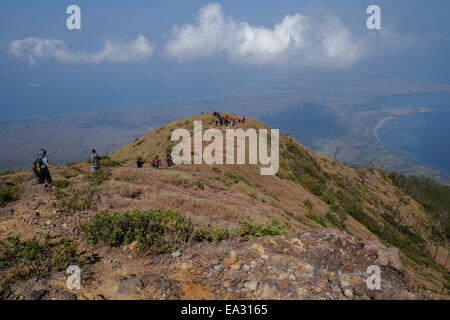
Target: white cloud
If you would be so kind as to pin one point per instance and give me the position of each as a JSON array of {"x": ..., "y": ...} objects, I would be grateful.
[
  {"x": 295, "y": 41},
  {"x": 37, "y": 49}
]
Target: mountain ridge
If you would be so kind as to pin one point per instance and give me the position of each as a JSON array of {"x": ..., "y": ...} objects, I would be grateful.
[{"x": 310, "y": 194}]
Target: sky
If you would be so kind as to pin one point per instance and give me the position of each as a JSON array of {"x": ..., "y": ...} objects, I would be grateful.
[{"x": 143, "y": 52}]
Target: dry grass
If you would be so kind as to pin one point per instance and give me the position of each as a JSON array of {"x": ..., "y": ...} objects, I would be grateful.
[{"x": 225, "y": 195}]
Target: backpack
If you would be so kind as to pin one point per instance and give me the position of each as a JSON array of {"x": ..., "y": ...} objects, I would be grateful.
[
  {"x": 94, "y": 159},
  {"x": 37, "y": 167}
]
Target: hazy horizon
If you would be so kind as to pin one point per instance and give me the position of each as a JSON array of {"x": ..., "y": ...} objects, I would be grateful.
[{"x": 172, "y": 51}]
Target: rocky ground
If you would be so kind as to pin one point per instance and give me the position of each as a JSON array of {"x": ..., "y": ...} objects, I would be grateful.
[{"x": 319, "y": 264}]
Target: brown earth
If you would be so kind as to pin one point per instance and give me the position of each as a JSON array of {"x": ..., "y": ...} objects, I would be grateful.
[{"x": 311, "y": 262}]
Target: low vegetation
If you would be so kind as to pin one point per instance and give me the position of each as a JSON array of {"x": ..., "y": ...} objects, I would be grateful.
[
  {"x": 161, "y": 231},
  {"x": 74, "y": 199},
  {"x": 106, "y": 162},
  {"x": 21, "y": 260},
  {"x": 97, "y": 178},
  {"x": 199, "y": 185},
  {"x": 434, "y": 197},
  {"x": 125, "y": 178},
  {"x": 61, "y": 184},
  {"x": 154, "y": 230},
  {"x": 210, "y": 233},
  {"x": 10, "y": 190},
  {"x": 251, "y": 229},
  {"x": 303, "y": 168},
  {"x": 317, "y": 219},
  {"x": 346, "y": 196},
  {"x": 6, "y": 173}
]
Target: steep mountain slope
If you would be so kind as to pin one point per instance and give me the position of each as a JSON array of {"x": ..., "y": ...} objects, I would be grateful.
[{"x": 299, "y": 209}]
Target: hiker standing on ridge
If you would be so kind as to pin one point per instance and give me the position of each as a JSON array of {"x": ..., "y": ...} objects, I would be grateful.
[
  {"x": 169, "y": 160},
  {"x": 95, "y": 161},
  {"x": 40, "y": 168},
  {"x": 139, "y": 163}
]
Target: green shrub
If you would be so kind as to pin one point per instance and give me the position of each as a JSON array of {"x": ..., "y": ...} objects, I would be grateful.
[
  {"x": 328, "y": 196},
  {"x": 67, "y": 174},
  {"x": 273, "y": 228},
  {"x": 61, "y": 184},
  {"x": 304, "y": 168},
  {"x": 106, "y": 162},
  {"x": 6, "y": 173},
  {"x": 97, "y": 178},
  {"x": 216, "y": 169},
  {"x": 221, "y": 233},
  {"x": 336, "y": 220},
  {"x": 434, "y": 197},
  {"x": 199, "y": 185},
  {"x": 233, "y": 176},
  {"x": 10, "y": 190},
  {"x": 154, "y": 230},
  {"x": 308, "y": 204},
  {"x": 21, "y": 260},
  {"x": 210, "y": 233},
  {"x": 140, "y": 142},
  {"x": 280, "y": 175},
  {"x": 317, "y": 219},
  {"x": 71, "y": 199},
  {"x": 125, "y": 178}
]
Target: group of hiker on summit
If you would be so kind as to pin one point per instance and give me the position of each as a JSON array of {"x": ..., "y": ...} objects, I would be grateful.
[{"x": 225, "y": 120}]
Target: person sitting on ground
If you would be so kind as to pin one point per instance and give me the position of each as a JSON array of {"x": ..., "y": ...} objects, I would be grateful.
[
  {"x": 169, "y": 160},
  {"x": 155, "y": 162},
  {"x": 43, "y": 164},
  {"x": 95, "y": 161},
  {"x": 140, "y": 162}
]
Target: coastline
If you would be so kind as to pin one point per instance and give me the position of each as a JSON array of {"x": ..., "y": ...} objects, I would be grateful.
[{"x": 380, "y": 123}]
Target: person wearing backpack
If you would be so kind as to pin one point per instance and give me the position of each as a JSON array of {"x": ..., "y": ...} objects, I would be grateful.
[
  {"x": 40, "y": 168},
  {"x": 95, "y": 161}
]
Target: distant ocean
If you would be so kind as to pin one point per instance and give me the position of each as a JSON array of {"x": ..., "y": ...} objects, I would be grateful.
[
  {"x": 306, "y": 123},
  {"x": 425, "y": 136}
]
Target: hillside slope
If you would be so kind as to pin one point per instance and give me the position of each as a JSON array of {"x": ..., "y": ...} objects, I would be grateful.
[{"x": 300, "y": 210}]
